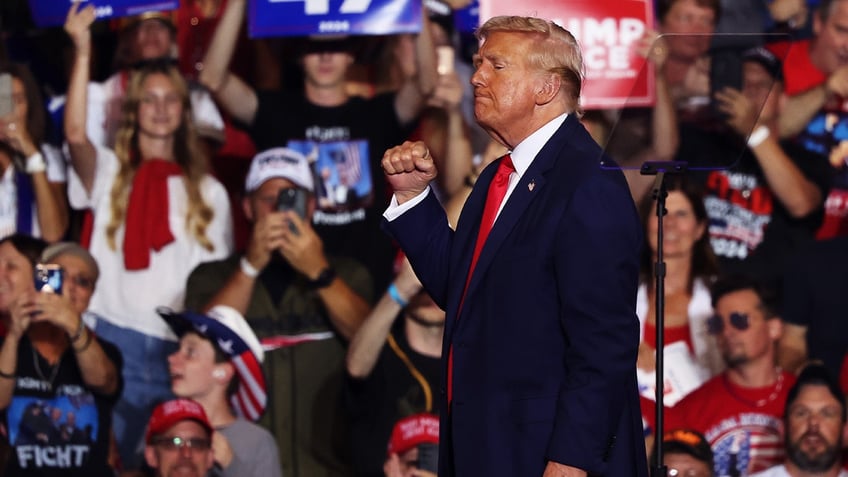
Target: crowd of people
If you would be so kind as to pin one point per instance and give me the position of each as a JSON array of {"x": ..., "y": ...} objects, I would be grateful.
[{"x": 229, "y": 302}]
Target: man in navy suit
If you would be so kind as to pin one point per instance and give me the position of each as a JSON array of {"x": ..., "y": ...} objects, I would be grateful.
[{"x": 541, "y": 333}]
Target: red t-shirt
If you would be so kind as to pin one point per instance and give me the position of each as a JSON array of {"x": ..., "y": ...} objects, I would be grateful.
[{"x": 743, "y": 425}]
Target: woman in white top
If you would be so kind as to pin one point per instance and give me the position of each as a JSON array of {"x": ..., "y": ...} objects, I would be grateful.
[
  {"x": 33, "y": 200},
  {"x": 691, "y": 353},
  {"x": 157, "y": 214}
]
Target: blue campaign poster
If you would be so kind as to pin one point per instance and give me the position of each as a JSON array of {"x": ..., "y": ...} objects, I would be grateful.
[
  {"x": 467, "y": 19},
  {"x": 268, "y": 18},
  {"x": 47, "y": 13}
]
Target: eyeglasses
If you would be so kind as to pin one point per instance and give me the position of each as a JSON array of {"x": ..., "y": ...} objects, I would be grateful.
[
  {"x": 740, "y": 321},
  {"x": 81, "y": 281},
  {"x": 176, "y": 443}
]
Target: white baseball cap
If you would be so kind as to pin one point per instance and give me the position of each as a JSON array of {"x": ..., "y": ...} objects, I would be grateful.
[{"x": 279, "y": 162}]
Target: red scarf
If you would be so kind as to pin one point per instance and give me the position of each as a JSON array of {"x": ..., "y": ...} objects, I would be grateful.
[{"x": 147, "y": 212}]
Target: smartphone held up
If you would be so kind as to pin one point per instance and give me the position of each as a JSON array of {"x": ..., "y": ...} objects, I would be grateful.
[
  {"x": 293, "y": 199},
  {"x": 48, "y": 278}
]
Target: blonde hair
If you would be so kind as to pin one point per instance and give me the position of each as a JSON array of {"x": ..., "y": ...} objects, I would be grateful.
[
  {"x": 188, "y": 154},
  {"x": 558, "y": 53}
]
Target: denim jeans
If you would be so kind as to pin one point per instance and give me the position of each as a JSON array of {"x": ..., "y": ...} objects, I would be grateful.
[{"x": 147, "y": 382}]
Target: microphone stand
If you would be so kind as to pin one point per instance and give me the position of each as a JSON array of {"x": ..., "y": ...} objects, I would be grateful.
[{"x": 660, "y": 169}]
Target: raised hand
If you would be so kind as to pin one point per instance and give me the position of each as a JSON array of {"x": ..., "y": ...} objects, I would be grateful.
[
  {"x": 78, "y": 24},
  {"x": 409, "y": 169},
  {"x": 741, "y": 113}
]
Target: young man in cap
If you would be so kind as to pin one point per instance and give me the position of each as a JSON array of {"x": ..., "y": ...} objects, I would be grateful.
[
  {"x": 414, "y": 447},
  {"x": 686, "y": 453},
  {"x": 218, "y": 365},
  {"x": 303, "y": 304},
  {"x": 179, "y": 440},
  {"x": 813, "y": 427}
]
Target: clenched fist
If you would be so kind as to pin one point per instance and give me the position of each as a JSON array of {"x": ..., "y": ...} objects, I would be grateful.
[{"x": 409, "y": 169}]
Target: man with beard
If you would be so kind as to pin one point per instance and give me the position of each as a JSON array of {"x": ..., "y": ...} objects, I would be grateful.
[
  {"x": 393, "y": 367},
  {"x": 814, "y": 422},
  {"x": 739, "y": 410}
]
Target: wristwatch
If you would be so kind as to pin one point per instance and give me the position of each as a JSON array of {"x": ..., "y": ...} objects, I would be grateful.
[{"x": 324, "y": 279}]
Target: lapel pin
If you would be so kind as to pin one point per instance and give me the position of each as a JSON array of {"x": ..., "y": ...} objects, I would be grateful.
[{"x": 531, "y": 185}]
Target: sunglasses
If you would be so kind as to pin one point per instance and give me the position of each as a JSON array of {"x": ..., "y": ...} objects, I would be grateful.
[
  {"x": 177, "y": 443},
  {"x": 740, "y": 321}
]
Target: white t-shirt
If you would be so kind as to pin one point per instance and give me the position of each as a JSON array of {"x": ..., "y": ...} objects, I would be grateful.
[
  {"x": 9, "y": 192},
  {"x": 780, "y": 471},
  {"x": 130, "y": 298}
]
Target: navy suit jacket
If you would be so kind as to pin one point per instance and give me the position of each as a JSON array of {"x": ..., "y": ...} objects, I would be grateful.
[{"x": 544, "y": 350}]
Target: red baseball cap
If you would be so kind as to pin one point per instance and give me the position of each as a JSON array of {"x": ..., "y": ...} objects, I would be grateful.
[
  {"x": 169, "y": 413},
  {"x": 411, "y": 431}
]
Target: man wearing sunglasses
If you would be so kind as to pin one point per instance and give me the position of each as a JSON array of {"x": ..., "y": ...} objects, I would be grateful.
[
  {"x": 179, "y": 440},
  {"x": 739, "y": 411}
]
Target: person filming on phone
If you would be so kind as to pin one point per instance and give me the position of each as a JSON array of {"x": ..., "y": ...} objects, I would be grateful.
[
  {"x": 290, "y": 291},
  {"x": 770, "y": 202},
  {"x": 413, "y": 449},
  {"x": 51, "y": 362}
]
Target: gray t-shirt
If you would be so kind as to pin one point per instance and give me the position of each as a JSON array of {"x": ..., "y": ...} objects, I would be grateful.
[{"x": 254, "y": 452}]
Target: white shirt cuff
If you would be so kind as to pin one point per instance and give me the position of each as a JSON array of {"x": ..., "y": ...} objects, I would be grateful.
[{"x": 395, "y": 210}]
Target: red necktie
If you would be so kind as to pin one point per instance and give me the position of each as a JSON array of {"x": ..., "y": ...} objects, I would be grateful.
[{"x": 496, "y": 194}]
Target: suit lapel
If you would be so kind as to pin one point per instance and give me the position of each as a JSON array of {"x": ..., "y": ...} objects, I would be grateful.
[{"x": 517, "y": 203}]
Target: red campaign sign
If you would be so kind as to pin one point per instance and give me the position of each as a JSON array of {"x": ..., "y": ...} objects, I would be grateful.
[{"x": 616, "y": 75}]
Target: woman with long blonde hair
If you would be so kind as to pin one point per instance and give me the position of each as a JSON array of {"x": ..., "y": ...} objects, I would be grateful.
[{"x": 157, "y": 214}]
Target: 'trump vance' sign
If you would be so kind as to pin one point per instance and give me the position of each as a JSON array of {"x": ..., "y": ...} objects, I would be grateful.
[{"x": 616, "y": 75}]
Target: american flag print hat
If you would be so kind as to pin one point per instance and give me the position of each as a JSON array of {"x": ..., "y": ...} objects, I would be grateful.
[{"x": 227, "y": 328}]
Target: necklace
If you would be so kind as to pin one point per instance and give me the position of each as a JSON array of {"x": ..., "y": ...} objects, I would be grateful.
[
  {"x": 778, "y": 386},
  {"x": 53, "y": 372}
]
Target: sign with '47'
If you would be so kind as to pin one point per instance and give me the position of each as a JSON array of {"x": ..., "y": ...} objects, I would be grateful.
[{"x": 332, "y": 17}]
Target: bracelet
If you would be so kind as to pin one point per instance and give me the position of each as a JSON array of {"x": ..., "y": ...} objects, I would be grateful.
[
  {"x": 758, "y": 136},
  {"x": 78, "y": 333},
  {"x": 395, "y": 294},
  {"x": 85, "y": 345},
  {"x": 247, "y": 268},
  {"x": 35, "y": 163},
  {"x": 5, "y": 375}
]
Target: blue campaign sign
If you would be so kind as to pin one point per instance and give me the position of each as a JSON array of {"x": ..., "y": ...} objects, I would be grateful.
[
  {"x": 47, "y": 13},
  {"x": 331, "y": 17},
  {"x": 467, "y": 19}
]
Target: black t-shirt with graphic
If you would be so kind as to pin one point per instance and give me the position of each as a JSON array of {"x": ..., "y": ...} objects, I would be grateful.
[
  {"x": 750, "y": 230},
  {"x": 57, "y": 427},
  {"x": 345, "y": 145},
  {"x": 388, "y": 394}
]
